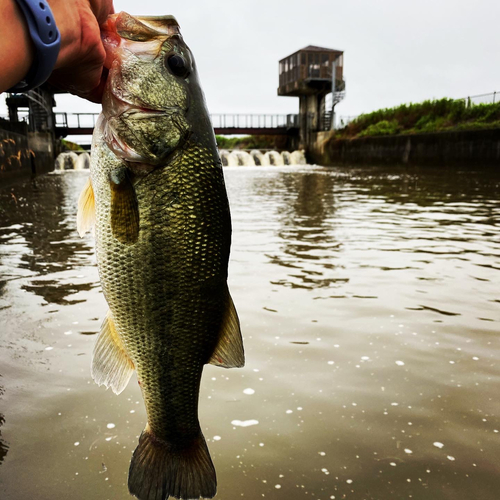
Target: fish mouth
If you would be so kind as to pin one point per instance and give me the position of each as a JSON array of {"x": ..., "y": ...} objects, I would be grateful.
[
  {"x": 119, "y": 147},
  {"x": 120, "y": 105},
  {"x": 139, "y": 113}
]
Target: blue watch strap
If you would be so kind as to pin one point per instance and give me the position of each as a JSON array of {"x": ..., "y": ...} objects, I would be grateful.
[{"x": 46, "y": 40}]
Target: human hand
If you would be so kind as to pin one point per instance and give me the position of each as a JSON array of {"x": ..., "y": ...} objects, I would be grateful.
[{"x": 79, "y": 68}]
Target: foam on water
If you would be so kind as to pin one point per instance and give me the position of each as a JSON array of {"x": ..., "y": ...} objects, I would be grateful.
[
  {"x": 66, "y": 161},
  {"x": 274, "y": 158},
  {"x": 82, "y": 162},
  {"x": 258, "y": 158}
]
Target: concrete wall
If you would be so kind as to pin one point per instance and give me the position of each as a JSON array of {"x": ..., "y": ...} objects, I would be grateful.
[
  {"x": 15, "y": 156},
  {"x": 24, "y": 154},
  {"x": 474, "y": 148},
  {"x": 42, "y": 145}
]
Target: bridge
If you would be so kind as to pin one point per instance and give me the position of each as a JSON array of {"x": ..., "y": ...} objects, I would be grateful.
[{"x": 224, "y": 124}]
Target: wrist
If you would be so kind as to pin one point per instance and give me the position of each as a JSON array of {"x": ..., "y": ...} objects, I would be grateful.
[
  {"x": 17, "y": 48},
  {"x": 45, "y": 40}
]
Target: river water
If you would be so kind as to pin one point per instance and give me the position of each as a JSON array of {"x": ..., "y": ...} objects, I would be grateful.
[{"x": 370, "y": 307}]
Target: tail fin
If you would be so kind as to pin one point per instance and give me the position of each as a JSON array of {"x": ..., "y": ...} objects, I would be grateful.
[{"x": 160, "y": 469}]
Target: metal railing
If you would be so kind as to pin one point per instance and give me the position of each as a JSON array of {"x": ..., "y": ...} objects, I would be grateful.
[
  {"x": 491, "y": 98},
  {"x": 23, "y": 116},
  {"x": 88, "y": 120},
  {"x": 254, "y": 121},
  {"x": 76, "y": 120},
  {"x": 325, "y": 122},
  {"x": 343, "y": 121}
]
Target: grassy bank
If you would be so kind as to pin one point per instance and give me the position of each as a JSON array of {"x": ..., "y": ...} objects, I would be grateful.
[
  {"x": 247, "y": 142},
  {"x": 428, "y": 116}
]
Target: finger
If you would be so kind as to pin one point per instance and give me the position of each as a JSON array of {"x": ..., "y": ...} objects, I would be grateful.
[
  {"x": 96, "y": 94},
  {"x": 101, "y": 9},
  {"x": 86, "y": 82}
]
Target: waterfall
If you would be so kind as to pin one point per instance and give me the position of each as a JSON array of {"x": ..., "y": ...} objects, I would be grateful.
[
  {"x": 229, "y": 159},
  {"x": 259, "y": 158},
  {"x": 238, "y": 157},
  {"x": 66, "y": 161},
  {"x": 82, "y": 162},
  {"x": 274, "y": 158},
  {"x": 298, "y": 158},
  {"x": 244, "y": 159}
]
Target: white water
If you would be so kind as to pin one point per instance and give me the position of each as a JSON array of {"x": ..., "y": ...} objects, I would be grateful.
[
  {"x": 274, "y": 158},
  {"x": 228, "y": 158},
  {"x": 298, "y": 158},
  {"x": 237, "y": 158},
  {"x": 66, "y": 161},
  {"x": 82, "y": 162},
  {"x": 244, "y": 159}
]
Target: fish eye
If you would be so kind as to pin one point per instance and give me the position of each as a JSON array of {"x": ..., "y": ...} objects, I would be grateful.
[{"x": 178, "y": 65}]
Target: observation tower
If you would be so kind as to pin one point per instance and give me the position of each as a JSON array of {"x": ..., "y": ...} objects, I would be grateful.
[{"x": 313, "y": 74}]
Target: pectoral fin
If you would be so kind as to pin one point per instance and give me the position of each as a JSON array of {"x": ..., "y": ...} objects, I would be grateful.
[
  {"x": 124, "y": 207},
  {"x": 229, "y": 351},
  {"x": 86, "y": 209},
  {"x": 111, "y": 365}
]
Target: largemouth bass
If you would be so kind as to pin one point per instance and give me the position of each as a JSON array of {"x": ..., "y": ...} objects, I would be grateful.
[{"x": 157, "y": 199}]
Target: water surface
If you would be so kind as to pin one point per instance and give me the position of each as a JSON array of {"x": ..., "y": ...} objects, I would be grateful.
[{"x": 370, "y": 306}]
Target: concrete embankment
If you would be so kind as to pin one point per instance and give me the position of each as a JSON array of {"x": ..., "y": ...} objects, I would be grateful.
[
  {"x": 24, "y": 153},
  {"x": 473, "y": 148}
]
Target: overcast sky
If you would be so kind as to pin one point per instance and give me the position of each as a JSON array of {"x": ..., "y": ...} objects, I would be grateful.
[{"x": 395, "y": 51}]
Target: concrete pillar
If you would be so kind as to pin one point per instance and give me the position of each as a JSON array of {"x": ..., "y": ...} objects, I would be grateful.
[{"x": 309, "y": 117}]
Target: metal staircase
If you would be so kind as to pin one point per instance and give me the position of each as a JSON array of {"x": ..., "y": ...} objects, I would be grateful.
[{"x": 36, "y": 106}]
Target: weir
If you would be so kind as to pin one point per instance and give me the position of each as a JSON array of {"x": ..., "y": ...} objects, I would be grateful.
[
  {"x": 71, "y": 160},
  {"x": 240, "y": 158}
]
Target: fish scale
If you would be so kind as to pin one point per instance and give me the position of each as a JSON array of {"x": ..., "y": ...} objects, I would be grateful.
[
  {"x": 174, "y": 316},
  {"x": 158, "y": 202}
]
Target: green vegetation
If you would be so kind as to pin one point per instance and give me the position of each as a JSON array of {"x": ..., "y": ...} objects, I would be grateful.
[
  {"x": 428, "y": 116},
  {"x": 70, "y": 146},
  {"x": 246, "y": 142}
]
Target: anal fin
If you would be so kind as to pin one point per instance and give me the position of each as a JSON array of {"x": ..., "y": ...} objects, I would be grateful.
[
  {"x": 111, "y": 365},
  {"x": 229, "y": 352},
  {"x": 86, "y": 209}
]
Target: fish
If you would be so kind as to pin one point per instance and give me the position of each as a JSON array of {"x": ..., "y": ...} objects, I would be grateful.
[{"x": 157, "y": 204}]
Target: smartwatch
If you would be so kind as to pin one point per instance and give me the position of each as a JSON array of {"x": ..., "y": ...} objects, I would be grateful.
[{"x": 46, "y": 40}]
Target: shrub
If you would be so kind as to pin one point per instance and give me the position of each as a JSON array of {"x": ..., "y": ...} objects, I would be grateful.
[
  {"x": 427, "y": 116},
  {"x": 383, "y": 127}
]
